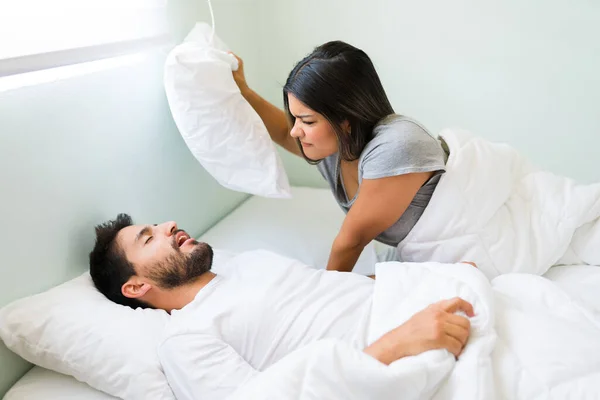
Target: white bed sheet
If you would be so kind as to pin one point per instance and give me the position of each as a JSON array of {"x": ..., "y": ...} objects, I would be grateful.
[
  {"x": 42, "y": 384},
  {"x": 582, "y": 283}
]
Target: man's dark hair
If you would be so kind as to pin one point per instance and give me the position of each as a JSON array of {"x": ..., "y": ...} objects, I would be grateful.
[{"x": 109, "y": 266}]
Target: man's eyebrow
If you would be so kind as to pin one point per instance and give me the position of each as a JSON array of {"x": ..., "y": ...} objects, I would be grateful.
[{"x": 147, "y": 230}]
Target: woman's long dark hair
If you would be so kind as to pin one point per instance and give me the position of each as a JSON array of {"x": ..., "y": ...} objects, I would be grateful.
[{"x": 339, "y": 81}]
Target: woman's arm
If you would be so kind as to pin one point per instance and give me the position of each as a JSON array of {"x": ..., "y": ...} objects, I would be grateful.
[
  {"x": 273, "y": 117},
  {"x": 380, "y": 204}
]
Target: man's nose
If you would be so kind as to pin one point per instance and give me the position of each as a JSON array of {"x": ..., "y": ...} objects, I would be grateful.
[{"x": 168, "y": 228}]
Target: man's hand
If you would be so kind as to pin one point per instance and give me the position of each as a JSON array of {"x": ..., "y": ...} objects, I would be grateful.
[{"x": 436, "y": 327}]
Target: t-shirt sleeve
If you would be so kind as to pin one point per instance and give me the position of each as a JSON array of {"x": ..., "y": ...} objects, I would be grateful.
[
  {"x": 402, "y": 147},
  {"x": 200, "y": 366}
]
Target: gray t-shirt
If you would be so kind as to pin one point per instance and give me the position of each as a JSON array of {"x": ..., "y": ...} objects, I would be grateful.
[{"x": 399, "y": 146}]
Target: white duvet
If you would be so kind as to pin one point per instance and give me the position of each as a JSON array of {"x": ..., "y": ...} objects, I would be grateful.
[
  {"x": 532, "y": 337},
  {"x": 495, "y": 208}
]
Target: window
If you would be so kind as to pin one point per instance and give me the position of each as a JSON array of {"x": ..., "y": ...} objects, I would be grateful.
[{"x": 41, "y": 34}]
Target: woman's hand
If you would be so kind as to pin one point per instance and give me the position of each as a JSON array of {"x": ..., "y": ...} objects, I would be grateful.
[
  {"x": 469, "y": 262},
  {"x": 379, "y": 204},
  {"x": 238, "y": 76},
  {"x": 274, "y": 119},
  {"x": 435, "y": 327}
]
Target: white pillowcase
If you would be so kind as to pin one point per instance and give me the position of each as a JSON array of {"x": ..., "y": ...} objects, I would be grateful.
[
  {"x": 73, "y": 329},
  {"x": 218, "y": 125}
]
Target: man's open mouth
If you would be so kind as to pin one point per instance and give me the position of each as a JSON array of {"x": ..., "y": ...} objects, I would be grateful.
[{"x": 181, "y": 237}]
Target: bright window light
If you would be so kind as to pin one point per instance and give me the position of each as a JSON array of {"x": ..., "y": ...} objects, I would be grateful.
[{"x": 38, "y": 34}]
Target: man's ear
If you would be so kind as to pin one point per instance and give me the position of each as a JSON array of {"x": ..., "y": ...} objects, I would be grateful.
[{"x": 135, "y": 288}]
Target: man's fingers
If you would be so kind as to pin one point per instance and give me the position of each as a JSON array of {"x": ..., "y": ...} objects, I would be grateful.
[
  {"x": 457, "y": 304},
  {"x": 459, "y": 320},
  {"x": 458, "y": 332},
  {"x": 452, "y": 345}
]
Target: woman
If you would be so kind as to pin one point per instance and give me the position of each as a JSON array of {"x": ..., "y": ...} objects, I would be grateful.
[{"x": 382, "y": 167}]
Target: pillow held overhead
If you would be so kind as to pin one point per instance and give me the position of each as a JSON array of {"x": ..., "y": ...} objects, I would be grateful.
[{"x": 220, "y": 128}]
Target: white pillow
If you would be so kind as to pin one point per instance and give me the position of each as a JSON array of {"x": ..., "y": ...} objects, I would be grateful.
[
  {"x": 73, "y": 329},
  {"x": 302, "y": 228},
  {"x": 220, "y": 128}
]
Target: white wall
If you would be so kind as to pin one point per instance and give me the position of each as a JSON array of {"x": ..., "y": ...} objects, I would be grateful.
[
  {"x": 522, "y": 72},
  {"x": 76, "y": 152}
]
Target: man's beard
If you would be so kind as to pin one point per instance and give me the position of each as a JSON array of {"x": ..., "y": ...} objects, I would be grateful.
[{"x": 181, "y": 269}]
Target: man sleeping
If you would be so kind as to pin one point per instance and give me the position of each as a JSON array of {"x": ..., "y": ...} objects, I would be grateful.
[{"x": 227, "y": 327}]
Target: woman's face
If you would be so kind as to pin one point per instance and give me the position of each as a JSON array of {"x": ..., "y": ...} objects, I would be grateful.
[{"x": 315, "y": 133}]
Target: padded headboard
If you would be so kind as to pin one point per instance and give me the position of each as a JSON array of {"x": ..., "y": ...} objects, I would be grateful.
[{"x": 77, "y": 152}]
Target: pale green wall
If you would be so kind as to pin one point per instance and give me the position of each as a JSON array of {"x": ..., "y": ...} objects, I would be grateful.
[
  {"x": 522, "y": 72},
  {"x": 76, "y": 152}
]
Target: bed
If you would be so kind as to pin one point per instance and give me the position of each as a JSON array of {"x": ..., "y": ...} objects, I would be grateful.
[{"x": 301, "y": 228}]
